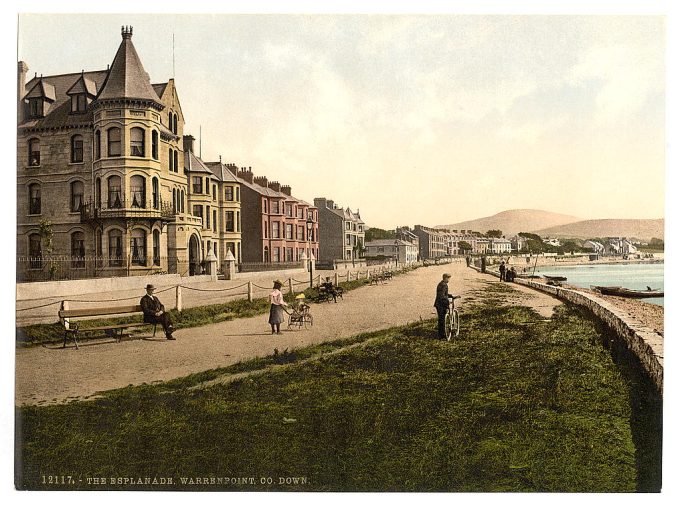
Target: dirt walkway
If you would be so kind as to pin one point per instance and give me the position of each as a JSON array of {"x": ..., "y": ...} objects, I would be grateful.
[{"x": 54, "y": 375}]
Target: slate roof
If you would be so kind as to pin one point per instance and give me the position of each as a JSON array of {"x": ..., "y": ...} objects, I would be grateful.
[
  {"x": 193, "y": 163},
  {"x": 127, "y": 77},
  {"x": 222, "y": 172},
  {"x": 384, "y": 242}
]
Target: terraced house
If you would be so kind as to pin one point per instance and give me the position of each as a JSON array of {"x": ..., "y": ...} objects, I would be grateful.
[
  {"x": 342, "y": 232},
  {"x": 101, "y": 182}
]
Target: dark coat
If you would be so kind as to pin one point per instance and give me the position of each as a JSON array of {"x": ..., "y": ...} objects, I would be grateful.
[
  {"x": 151, "y": 305},
  {"x": 442, "y": 298}
]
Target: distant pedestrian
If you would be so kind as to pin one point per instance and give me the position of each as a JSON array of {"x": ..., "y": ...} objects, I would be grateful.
[
  {"x": 510, "y": 275},
  {"x": 441, "y": 303},
  {"x": 501, "y": 269},
  {"x": 276, "y": 311},
  {"x": 154, "y": 311}
]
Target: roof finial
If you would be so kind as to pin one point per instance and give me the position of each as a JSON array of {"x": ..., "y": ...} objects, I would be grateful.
[{"x": 126, "y": 32}]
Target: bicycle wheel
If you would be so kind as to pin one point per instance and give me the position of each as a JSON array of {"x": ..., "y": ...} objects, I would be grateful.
[
  {"x": 447, "y": 325},
  {"x": 456, "y": 323}
]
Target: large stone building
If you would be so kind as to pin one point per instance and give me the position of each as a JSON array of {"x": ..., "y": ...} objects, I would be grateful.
[
  {"x": 342, "y": 232},
  {"x": 101, "y": 183}
]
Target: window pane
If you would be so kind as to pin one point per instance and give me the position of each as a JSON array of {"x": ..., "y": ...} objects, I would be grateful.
[
  {"x": 115, "y": 248},
  {"x": 77, "y": 189},
  {"x": 137, "y": 142},
  {"x": 34, "y": 153},
  {"x": 34, "y": 206},
  {"x": 114, "y": 142},
  {"x": 77, "y": 149}
]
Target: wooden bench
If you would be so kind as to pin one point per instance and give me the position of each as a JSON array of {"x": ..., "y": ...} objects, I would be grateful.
[{"x": 71, "y": 329}]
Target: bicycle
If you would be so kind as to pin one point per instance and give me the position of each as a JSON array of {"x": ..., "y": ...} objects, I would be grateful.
[{"x": 452, "y": 319}]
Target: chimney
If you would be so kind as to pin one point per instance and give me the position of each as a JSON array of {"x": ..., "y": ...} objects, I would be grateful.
[
  {"x": 260, "y": 180},
  {"x": 320, "y": 203},
  {"x": 233, "y": 169},
  {"x": 246, "y": 175},
  {"x": 286, "y": 190},
  {"x": 274, "y": 185},
  {"x": 22, "y": 68},
  {"x": 126, "y": 32},
  {"x": 331, "y": 204},
  {"x": 188, "y": 141}
]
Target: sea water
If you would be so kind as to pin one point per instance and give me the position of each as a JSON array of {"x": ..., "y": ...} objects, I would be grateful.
[{"x": 627, "y": 275}]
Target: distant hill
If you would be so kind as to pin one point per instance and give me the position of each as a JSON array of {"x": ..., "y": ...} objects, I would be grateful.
[
  {"x": 511, "y": 222},
  {"x": 643, "y": 229}
]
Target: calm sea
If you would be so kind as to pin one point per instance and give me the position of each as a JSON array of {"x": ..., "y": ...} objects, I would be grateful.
[{"x": 630, "y": 275}]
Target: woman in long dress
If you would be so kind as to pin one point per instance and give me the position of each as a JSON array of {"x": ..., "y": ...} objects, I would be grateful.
[{"x": 276, "y": 311}]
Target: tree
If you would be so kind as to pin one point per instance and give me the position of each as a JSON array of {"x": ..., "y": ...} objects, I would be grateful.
[
  {"x": 656, "y": 243},
  {"x": 465, "y": 246},
  {"x": 379, "y": 234},
  {"x": 494, "y": 233}
]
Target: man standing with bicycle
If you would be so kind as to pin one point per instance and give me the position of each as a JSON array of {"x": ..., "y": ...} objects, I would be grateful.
[{"x": 441, "y": 303}]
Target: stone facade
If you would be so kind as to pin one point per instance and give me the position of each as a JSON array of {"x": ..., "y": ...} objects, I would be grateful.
[{"x": 342, "y": 232}]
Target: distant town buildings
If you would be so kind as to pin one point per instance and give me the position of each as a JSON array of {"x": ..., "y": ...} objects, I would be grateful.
[
  {"x": 341, "y": 232},
  {"x": 400, "y": 250}
]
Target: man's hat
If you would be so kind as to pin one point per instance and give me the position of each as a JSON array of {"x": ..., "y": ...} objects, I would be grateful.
[
  {"x": 446, "y": 276},
  {"x": 150, "y": 286}
]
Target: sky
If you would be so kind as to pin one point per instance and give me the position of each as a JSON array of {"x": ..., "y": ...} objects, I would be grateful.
[{"x": 412, "y": 119}]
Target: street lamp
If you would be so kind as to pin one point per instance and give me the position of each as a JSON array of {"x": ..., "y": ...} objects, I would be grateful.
[
  {"x": 396, "y": 254},
  {"x": 310, "y": 226}
]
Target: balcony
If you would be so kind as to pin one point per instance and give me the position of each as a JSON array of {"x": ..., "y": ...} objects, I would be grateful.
[{"x": 116, "y": 209}]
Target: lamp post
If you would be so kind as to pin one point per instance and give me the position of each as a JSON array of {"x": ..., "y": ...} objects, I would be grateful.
[
  {"x": 396, "y": 254},
  {"x": 310, "y": 226}
]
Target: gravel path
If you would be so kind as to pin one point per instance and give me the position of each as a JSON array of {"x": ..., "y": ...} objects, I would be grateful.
[{"x": 54, "y": 375}]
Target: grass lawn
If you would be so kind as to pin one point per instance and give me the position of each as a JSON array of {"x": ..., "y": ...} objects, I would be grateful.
[{"x": 515, "y": 404}]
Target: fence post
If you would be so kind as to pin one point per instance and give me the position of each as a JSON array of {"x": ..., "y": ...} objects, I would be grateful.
[
  {"x": 178, "y": 298},
  {"x": 336, "y": 278},
  {"x": 347, "y": 275},
  {"x": 290, "y": 285},
  {"x": 250, "y": 291}
]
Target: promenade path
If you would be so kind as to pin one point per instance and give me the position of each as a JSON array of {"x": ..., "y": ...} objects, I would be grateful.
[{"x": 46, "y": 375}]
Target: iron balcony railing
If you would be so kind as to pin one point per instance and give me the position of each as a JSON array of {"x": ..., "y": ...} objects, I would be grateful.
[{"x": 127, "y": 208}]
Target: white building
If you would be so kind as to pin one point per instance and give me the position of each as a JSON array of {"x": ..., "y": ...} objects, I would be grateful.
[{"x": 404, "y": 252}]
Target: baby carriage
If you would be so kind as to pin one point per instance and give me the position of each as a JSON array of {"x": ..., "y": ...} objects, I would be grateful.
[{"x": 299, "y": 315}]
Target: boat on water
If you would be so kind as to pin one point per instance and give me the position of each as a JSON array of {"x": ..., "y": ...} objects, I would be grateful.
[
  {"x": 558, "y": 278},
  {"x": 628, "y": 293}
]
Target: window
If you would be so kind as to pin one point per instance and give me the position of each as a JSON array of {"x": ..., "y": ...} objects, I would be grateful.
[
  {"x": 265, "y": 254},
  {"x": 34, "y": 200},
  {"x": 231, "y": 246},
  {"x": 275, "y": 207},
  {"x": 207, "y": 216},
  {"x": 98, "y": 248},
  {"x": 207, "y": 186},
  {"x": 77, "y": 149},
  {"x": 78, "y": 250},
  {"x": 214, "y": 220},
  {"x": 229, "y": 193},
  {"x": 289, "y": 210},
  {"x": 138, "y": 191},
  {"x": 289, "y": 254},
  {"x": 289, "y": 232},
  {"x": 238, "y": 194},
  {"x": 230, "y": 221},
  {"x": 78, "y": 103},
  {"x": 181, "y": 202},
  {"x": 198, "y": 211},
  {"x": 98, "y": 192},
  {"x": 300, "y": 233},
  {"x": 137, "y": 142},
  {"x": 77, "y": 191},
  {"x": 264, "y": 205},
  {"x": 156, "y": 248},
  {"x": 34, "y": 153},
  {"x": 154, "y": 144},
  {"x": 174, "y": 124},
  {"x": 115, "y": 248},
  {"x": 114, "y": 198},
  {"x": 170, "y": 160},
  {"x": 197, "y": 185},
  {"x": 266, "y": 231},
  {"x": 175, "y": 161},
  {"x": 238, "y": 221},
  {"x": 275, "y": 229},
  {"x": 348, "y": 240},
  {"x": 175, "y": 205},
  {"x": 170, "y": 121},
  {"x": 300, "y": 213},
  {"x": 276, "y": 256},
  {"x": 35, "y": 107},
  {"x": 97, "y": 145},
  {"x": 154, "y": 193},
  {"x": 214, "y": 192},
  {"x": 35, "y": 251},
  {"x": 138, "y": 247},
  {"x": 113, "y": 140}
]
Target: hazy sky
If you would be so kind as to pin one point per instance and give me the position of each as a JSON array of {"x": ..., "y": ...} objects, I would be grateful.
[{"x": 412, "y": 119}]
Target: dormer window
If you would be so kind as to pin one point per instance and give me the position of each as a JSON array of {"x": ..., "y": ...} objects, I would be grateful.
[
  {"x": 78, "y": 103},
  {"x": 35, "y": 108}
]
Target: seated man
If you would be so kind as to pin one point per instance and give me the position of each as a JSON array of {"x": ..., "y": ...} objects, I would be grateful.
[
  {"x": 330, "y": 289},
  {"x": 154, "y": 311}
]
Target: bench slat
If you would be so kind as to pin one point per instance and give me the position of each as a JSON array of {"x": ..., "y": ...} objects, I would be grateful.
[
  {"x": 101, "y": 311},
  {"x": 112, "y": 327}
]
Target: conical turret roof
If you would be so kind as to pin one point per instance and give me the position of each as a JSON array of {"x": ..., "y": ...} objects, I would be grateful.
[{"x": 127, "y": 77}]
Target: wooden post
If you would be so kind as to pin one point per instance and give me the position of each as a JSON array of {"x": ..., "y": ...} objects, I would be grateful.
[
  {"x": 64, "y": 306},
  {"x": 347, "y": 275},
  {"x": 178, "y": 298},
  {"x": 290, "y": 285},
  {"x": 250, "y": 291},
  {"x": 336, "y": 278}
]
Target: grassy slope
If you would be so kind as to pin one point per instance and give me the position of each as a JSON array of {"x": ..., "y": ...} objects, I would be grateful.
[{"x": 516, "y": 404}]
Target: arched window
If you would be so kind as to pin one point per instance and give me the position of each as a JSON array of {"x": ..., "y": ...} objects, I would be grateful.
[
  {"x": 35, "y": 251},
  {"x": 138, "y": 191},
  {"x": 98, "y": 192},
  {"x": 98, "y": 248},
  {"x": 77, "y": 192},
  {"x": 175, "y": 161},
  {"x": 154, "y": 144},
  {"x": 156, "y": 247},
  {"x": 181, "y": 202},
  {"x": 170, "y": 121},
  {"x": 113, "y": 141},
  {"x": 78, "y": 249},
  {"x": 154, "y": 193},
  {"x": 34, "y": 153},
  {"x": 77, "y": 149},
  {"x": 138, "y": 247},
  {"x": 114, "y": 198},
  {"x": 97, "y": 145},
  {"x": 34, "y": 199},
  {"x": 175, "y": 206},
  {"x": 174, "y": 124},
  {"x": 137, "y": 142},
  {"x": 170, "y": 158},
  {"x": 115, "y": 248}
]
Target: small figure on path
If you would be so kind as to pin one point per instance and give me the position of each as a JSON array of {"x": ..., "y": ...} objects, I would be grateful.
[
  {"x": 510, "y": 275},
  {"x": 441, "y": 303},
  {"x": 154, "y": 311},
  {"x": 330, "y": 289},
  {"x": 276, "y": 311},
  {"x": 501, "y": 269}
]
